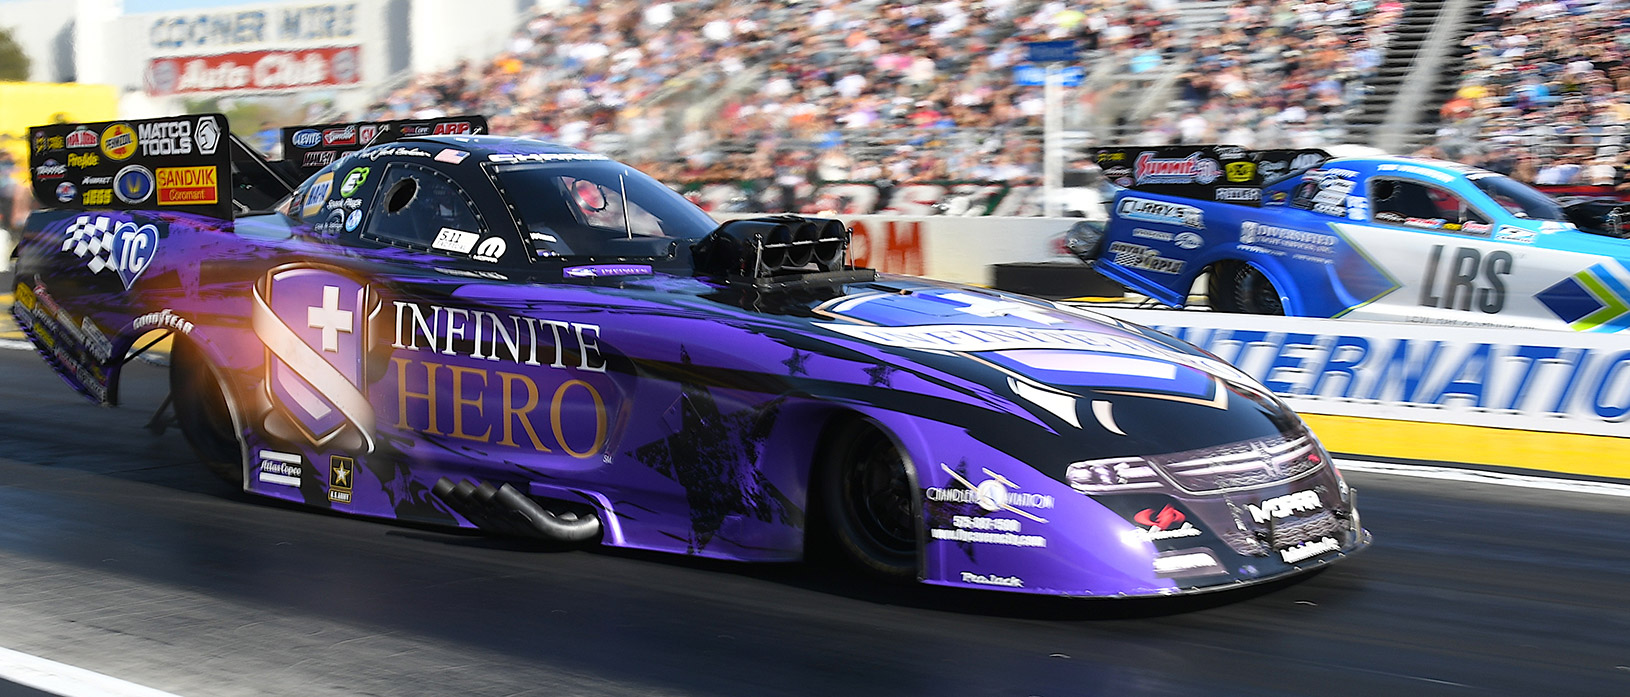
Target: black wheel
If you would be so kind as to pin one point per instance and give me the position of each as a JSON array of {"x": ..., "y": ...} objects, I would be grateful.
[
  {"x": 202, "y": 413},
  {"x": 1240, "y": 287},
  {"x": 867, "y": 497}
]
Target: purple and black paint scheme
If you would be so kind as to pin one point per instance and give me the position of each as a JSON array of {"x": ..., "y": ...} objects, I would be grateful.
[{"x": 533, "y": 340}]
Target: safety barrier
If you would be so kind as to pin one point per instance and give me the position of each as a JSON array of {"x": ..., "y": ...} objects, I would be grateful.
[{"x": 1518, "y": 398}]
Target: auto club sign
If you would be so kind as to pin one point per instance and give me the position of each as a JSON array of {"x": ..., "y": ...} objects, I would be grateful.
[
  {"x": 268, "y": 48},
  {"x": 255, "y": 71}
]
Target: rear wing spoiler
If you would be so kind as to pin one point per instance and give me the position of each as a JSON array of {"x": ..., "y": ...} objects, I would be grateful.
[
  {"x": 194, "y": 163},
  {"x": 178, "y": 163},
  {"x": 1226, "y": 173}
]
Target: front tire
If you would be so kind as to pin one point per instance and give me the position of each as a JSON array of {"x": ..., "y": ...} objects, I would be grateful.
[
  {"x": 202, "y": 412},
  {"x": 869, "y": 502}
]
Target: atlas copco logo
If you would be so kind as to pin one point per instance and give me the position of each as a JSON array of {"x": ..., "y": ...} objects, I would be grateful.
[{"x": 1148, "y": 169}]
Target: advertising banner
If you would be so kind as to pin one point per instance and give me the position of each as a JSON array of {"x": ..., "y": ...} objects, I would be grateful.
[
  {"x": 1523, "y": 379},
  {"x": 255, "y": 71}
]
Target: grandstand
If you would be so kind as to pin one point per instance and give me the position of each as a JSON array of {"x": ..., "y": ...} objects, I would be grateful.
[{"x": 790, "y": 92}]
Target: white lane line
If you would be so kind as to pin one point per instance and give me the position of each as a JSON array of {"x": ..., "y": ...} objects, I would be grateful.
[
  {"x": 1481, "y": 477},
  {"x": 66, "y": 680},
  {"x": 19, "y": 344}
]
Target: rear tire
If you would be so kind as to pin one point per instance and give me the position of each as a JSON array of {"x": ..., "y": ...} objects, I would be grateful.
[
  {"x": 202, "y": 413},
  {"x": 1239, "y": 287},
  {"x": 868, "y": 499}
]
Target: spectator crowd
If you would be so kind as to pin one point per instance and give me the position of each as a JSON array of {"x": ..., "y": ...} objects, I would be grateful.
[{"x": 824, "y": 90}]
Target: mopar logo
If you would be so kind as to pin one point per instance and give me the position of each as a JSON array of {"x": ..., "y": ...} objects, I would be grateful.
[{"x": 307, "y": 138}]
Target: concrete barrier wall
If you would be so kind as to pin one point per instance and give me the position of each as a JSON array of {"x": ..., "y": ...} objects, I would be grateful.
[
  {"x": 948, "y": 248},
  {"x": 1510, "y": 397}
]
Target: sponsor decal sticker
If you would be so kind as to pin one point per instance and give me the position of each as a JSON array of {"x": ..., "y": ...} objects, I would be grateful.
[
  {"x": 1198, "y": 561},
  {"x": 341, "y": 471},
  {"x": 606, "y": 270},
  {"x": 123, "y": 247},
  {"x": 505, "y": 158},
  {"x": 992, "y": 580},
  {"x": 134, "y": 184},
  {"x": 456, "y": 241},
  {"x": 1239, "y": 172},
  {"x": 1166, "y": 524},
  {"x": 353, "y": 181},
  {"x": 165, "y": 138},
  {"x": 96, "y": 197},
  {"x": 307, "y": 138},
  {"x": 282, "y": 469},
  {"x": 66, "y": 192},
  {"x": 166, "y": 318},
  {"x": 320, "y": 158},
  {"x": 1305, "y": 501},
  {"x": 85, "y": 160},
  {"x": 353, "y": 220},
  {"x": 1254, "y": 233},
  {"x": 317, "y": 195},
  {"x": 1309, "y": 549},
  {"x": 119, "y": 141},
  {"x": 1136, "y": 256},
  {"x": 1156, "y": 235},
  {"x": 186, "y": 186},
  {"x": 490, "y": 250},
  {"x": 340, "y": 136},
  {"x": 50, "y": 169},
  {"x": 1148, "y": 169},
  {"x": 82, "y": 138},
  {"x": 207, "y": 135},
  {"x": 1146, "y": 210},
  {"x": 1188, "y": 240},
  {"x": 1235, "y": 193}
]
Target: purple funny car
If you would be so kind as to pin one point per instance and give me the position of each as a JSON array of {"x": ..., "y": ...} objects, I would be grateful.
[{"x": 536, "y": 341}]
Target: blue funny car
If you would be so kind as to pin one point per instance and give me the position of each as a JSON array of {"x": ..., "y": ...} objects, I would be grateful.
[{"x": 1382, "y": 238}]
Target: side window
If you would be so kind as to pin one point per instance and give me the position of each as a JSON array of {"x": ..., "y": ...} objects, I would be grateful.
[
  {"x": 418, "y": 207},
  {"x": 1418, "y": 205}
]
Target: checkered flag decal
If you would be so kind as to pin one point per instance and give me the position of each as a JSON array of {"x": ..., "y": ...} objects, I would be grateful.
[
  {"x": 87, "y": 236},
  {"x": 1128, "y": 257}
]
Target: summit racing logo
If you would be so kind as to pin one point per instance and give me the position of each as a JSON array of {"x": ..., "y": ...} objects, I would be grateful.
[
  {"x": 1148, "y": 169},
  {"x": 1150, "y": 211},
  {"x": 1167, "y": 524}
]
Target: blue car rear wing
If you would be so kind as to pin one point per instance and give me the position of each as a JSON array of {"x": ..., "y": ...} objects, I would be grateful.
[{"x": 1226, "y": 173}]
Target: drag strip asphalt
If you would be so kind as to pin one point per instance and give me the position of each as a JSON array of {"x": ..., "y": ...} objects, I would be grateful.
[{"x": 120, "y": 555}]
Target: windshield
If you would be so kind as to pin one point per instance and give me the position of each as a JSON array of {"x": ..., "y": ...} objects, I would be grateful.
[
  {"x": 599, "y": 209},
  {"x": 1520, "y": 199}
]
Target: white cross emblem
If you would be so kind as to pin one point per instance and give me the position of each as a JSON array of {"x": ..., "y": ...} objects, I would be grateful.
[
  {"x": 330, "y": 318},
  {"x": 989, "y": 307}
]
